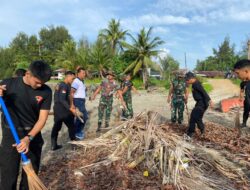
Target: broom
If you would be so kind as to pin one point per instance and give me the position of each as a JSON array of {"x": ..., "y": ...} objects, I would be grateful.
[{"x": 34, "y": 182}]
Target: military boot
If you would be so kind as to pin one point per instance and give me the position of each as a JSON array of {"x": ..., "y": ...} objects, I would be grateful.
[
  {"x": 107, "y": 125},
  {"x": 243, "y": 125},
  {"x": 54, "y": 145},
  {"x": 99, "y": 127}
]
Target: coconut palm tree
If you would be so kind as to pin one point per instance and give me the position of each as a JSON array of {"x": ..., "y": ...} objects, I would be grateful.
[
  {"x": 113, "y": 35},
  {"x": 67, "y": 57},
  {"x": 100, "y": 57},
  {"x": 142, "y": 49}
]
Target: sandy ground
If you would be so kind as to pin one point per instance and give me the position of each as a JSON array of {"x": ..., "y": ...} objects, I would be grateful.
[{"x": 154, "y": 101}]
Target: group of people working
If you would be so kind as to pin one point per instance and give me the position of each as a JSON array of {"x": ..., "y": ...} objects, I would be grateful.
[
  {"x": 28, "y": 100},
  {"x": 70, "y": 98},
  {"x": 178, "y": 97}
]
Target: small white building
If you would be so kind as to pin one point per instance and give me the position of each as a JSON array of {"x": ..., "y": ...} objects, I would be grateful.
[
  {"x": 154, "y": 73},
  {"x": 58, "y": 74}
]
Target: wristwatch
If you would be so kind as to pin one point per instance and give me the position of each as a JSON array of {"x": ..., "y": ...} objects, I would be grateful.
[{"x": 30, "y": 137}]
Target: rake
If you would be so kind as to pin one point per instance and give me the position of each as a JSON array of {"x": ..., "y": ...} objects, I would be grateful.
[
  {"x": 237, "y": 120},
  {"x": 187, "y": 111}
]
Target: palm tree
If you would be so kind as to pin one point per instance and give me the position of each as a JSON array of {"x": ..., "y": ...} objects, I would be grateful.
[
  {"x": 113, "y": 35},
  {"x": 66, "y": 57},
  {"x": 100, "y": 57},
  {"x": 83, "y": 53},
  {"x": 142, "y": 48},
  {"x": 168, "y": 64}
]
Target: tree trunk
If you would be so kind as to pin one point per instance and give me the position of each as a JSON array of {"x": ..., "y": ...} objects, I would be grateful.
[
  {"x": 145, "y": 77},
  {"x": 113, "y": 48}
]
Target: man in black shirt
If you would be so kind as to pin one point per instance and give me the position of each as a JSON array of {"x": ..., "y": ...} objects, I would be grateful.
[
  {"x": 202, "y": 102},
  {"x": 246, "y": 107},
  {"x": 28, "y": 101},
  {"x": 63, "y": 110},
  {"x": 242, "y": 89},
  {"x": 242, "y": 69}
]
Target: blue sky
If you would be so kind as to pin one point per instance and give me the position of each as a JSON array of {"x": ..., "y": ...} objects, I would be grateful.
[{"x": 191, "y": 26}]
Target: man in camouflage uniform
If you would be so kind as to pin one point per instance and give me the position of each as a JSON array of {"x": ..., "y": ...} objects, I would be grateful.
[
  {"x": 178, "y": 94},
  {"x": 107, "y": 88},
  {"x": 126, "y": 88}
]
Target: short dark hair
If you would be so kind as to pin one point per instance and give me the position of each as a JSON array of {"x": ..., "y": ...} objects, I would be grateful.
[
  {"x": 80, "y": 69},
  {"x": 189, "y": 75},
  {"x": 69, "y": 73},
  {"x": 242, "y": 64},
  {"x": 40, "y": 70},
  {"x": 20, "y": 72}
]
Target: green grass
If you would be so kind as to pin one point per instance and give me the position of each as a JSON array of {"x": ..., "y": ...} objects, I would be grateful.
[
  {"x": 204, "y": 81},
  {"x": 208, "y": 87},
  {"x": 159, "y": 83},
  {"x": 93, "y": 81},
  {"x": 54, "y": 81},
  {"x": 236, "y": 81},
  {"x": 138, "y": 84}
]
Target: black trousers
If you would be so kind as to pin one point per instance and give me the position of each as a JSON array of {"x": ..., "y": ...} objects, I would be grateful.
[
  {"x": 10, "y": 160},
  {"x": 196, "y": 118},
  {"x": 246, "y": 112},
  {"x": 59, "y": 118}
]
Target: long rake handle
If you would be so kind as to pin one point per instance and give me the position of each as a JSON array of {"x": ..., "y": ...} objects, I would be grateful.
[
  {"x": 12, "y": 128},
  {"x": 187, "y": 112}
]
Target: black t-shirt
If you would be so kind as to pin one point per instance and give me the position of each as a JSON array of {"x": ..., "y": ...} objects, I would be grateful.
[
  {"x": 62, "y": 98},
  {"x": 200, "y": 95},
  {"x": 243, "y": 84},
  {"x": 247, "y": 93},
  {"x": 24, "y": 103}
]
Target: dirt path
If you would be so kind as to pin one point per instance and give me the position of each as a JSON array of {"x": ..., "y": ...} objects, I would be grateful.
[{"x": 223, "y": 88}]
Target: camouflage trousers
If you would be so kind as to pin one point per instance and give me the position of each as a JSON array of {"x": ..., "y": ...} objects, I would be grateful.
[
  {"x": 129, "y": 112},
  {"x": 105, "y": 106},
  {"x": 177, "y": 106}
]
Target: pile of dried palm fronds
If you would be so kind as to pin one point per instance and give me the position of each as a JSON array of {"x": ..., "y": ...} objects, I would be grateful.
[{"x": 157, "y": 150}]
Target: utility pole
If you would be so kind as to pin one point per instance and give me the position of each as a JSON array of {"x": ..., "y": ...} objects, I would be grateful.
[{"x": 248, "y": 45}]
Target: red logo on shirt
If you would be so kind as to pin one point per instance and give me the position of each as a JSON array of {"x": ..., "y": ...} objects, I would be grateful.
[{"x": 39, "y": 99}]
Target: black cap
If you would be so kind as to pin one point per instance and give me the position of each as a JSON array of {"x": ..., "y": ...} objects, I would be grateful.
[{"x": 189, "y": 75}]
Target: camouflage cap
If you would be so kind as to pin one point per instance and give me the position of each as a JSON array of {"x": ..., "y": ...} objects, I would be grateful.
[
  {"x": 110, "y": 73},
  {"x": 179, "y": 73}
]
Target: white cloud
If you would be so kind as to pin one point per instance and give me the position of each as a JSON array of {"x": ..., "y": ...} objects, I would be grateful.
[
  {"x": 153, "y": 19},
  {"x": 207, "y": 11},
  {"x": 194, "y": 6},
  {"x": 160, "y": 30},
  {"x": 157, "y": 21},
  {"x": 236, "y": 15}
]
